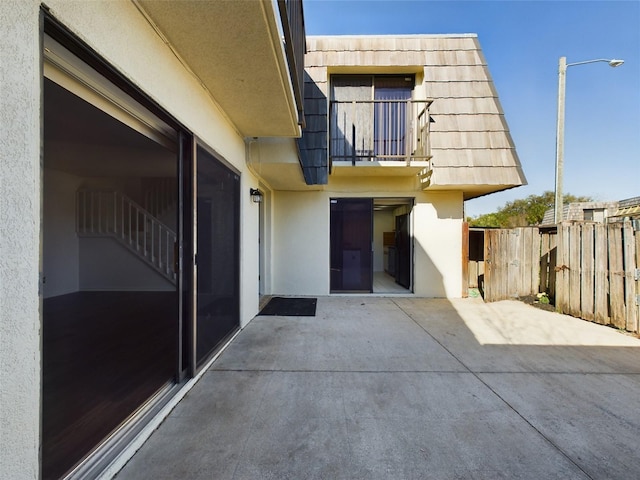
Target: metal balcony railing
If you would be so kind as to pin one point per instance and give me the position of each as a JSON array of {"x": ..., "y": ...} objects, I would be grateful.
[
  {"x": 292, "y": 19},
  {"x": 379, "y": 130}
]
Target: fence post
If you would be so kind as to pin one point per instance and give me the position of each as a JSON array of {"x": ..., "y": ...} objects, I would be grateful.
[{"x": 629, "y": 277}]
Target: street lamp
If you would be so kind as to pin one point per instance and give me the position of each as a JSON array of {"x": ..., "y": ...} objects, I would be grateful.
[{"x": 562, "y": 72}]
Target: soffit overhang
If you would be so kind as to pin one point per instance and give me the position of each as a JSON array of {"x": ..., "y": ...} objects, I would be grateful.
[
  {"x": 236, "y": 51},
  {"x": 470, "y": 191}
]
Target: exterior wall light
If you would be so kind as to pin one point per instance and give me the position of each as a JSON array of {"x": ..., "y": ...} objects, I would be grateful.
[{"x": 256, "y": 195}]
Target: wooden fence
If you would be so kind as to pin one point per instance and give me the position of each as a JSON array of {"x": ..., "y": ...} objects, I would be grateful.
[
  {"x": 589, "y": 269},
  {"x": 512, "y": 263}
]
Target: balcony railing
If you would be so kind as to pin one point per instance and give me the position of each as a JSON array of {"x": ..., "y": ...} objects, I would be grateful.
[
  {"x": 292, "y": 20},
  {"x": 380, "y": 130}
]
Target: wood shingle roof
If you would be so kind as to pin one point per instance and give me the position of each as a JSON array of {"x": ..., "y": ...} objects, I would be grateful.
[{"x": 470, "y": 141}]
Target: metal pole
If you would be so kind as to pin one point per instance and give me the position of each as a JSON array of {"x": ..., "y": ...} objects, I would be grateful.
[{"x": 562, "y": 73}]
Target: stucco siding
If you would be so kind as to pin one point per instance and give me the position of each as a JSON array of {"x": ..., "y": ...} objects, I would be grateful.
[
  {"x": 301, "y": 243},
  {"x": 19, "y": 240},
  {"x": 301, "y": 238},
  {"x": 249, "y": 252},
  {"x": 438, "y": 245}
]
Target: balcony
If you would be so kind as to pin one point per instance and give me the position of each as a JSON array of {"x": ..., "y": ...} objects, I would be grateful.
[
  {"x": 380, "y": 137},
  {"x": 292, "y": 20}
]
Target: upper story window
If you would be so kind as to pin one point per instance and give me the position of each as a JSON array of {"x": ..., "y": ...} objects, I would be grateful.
[{"x": 373, "y": 117}]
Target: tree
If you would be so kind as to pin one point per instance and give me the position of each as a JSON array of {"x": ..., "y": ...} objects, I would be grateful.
[{"x": 522, "y": 212}]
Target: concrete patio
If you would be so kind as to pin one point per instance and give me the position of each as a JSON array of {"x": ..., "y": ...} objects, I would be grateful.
[{"x": 405, "y": 388}]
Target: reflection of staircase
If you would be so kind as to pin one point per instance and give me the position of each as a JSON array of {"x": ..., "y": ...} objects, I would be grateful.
[
  {"x": 113, "y": 214},
  {"x": 160, "y": 196}
]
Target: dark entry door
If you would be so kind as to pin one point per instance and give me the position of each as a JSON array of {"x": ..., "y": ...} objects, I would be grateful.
[
  {"x": 351, "y": 239},
  {"x": 403, "y": 249},
  {"x": 217, "y": 259}
]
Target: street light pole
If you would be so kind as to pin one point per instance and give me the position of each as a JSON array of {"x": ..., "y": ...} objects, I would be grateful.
[{"x": 562, "y": 74}]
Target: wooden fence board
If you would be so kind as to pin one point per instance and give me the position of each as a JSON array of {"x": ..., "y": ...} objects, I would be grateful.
[
  {"x": 553, "y": 262},
  {"x": 562, "y": 274},
  {"x": 588, "y": 272},
  {"x": 616, "y": 277},
  {"x": 534, "y": 261},
  {"x": 575, "y": 270},
  {"x": 545, "y": 252},
  {"x": 505, "y": 263},
  {"x": 488, "y": 267},
  {"x": 495, "y": 266},
  {"x": 513, "y": 239},
  {"x": 472, "y": 277},
  {"x": 629, "y": 280},
  {"x": 524, "y": 287},
  {"x": 502, "y": 263},
  {"x": 601, "y": 283},
  {"x": 589, "y": 269},
  {"x": 524, "y": 245}
]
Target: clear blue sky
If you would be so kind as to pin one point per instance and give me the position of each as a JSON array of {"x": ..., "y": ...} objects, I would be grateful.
[{"x": 522, "y": 41}]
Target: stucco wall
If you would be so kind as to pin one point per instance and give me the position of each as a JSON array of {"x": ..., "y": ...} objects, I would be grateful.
[
  {"x": 300, "y": 243},
  {"x": 301, "y": 237},
  {"x": 437, "y": 223},
  {"x": 249, "y": 252},
  {"x": 19, "y": 240}
]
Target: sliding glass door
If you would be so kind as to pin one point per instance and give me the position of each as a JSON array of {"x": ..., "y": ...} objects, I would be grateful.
[
  {"x": 351, "y": 244},
  {"x": 217, "y": 253}
]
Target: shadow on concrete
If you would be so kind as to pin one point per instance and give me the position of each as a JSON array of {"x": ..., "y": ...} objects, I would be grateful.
[{"x": 408, "y": 388}]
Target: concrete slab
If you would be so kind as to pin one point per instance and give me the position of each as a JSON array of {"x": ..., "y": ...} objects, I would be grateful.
[
  {"x": 592, "y": 418},
  {"x": 379, "y": 388},
  {"x": 510, "y": 336},
  {"x": 348, "y": 334}
]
